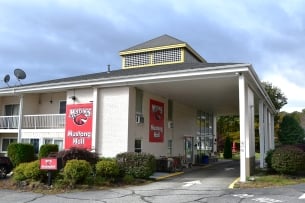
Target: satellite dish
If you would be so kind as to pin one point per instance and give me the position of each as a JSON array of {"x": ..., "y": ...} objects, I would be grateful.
[
  {"x": 20, "y": 74},
  {"x": 7, "y": 78}
]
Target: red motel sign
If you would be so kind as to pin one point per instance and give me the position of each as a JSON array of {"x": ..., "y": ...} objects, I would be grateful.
[{"x": 48, "y": 164}]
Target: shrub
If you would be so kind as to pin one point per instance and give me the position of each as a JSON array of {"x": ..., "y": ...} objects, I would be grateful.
[
  {"x": 288, "y": 159},
  {"x": 138, "y": 165},
  {"x": 77, "y": 153},
  {"x": 46, "y": 149},
  {"x": 29, "y": 170},
  {"x": 268, "y": 158},
  {"x": 290, "y": 131},
  {"x": 107, "y": 168},
  {"x": 20, "y": 153},
  {"x": 32, "y": 171},
  {"x": 76, "y": 171},
  {"x": 227, "y": 154},
  {"x": 19, "y": 172}
]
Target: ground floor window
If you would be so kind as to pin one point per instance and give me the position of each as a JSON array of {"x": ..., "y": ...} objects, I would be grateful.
[
  {"x": 138, "y": 146},
  {"x": 58, "y": 142},
  {"x": 5, "y": 142},
  {"x": 34, "y": 142},
  {"x": 169, "y": 147}
]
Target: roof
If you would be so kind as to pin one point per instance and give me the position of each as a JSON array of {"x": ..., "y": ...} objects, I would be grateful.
[
  {"x": 164, "y": 40},
  {"x": 159, "y": 43},
  {"x": 134, "y": 71}
]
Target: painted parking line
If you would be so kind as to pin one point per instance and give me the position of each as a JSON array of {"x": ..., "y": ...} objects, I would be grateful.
[{"x": 231, "y": 186}]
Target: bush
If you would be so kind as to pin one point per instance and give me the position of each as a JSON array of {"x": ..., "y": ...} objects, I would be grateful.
[
  {"x": 107, "y": 168},
  {"x": 77, "y": 153},
  {"x": 32, "y": 171},
  {"x": 227, "y": 154},
  {"x": 76, "y": 171},
  {"x": 288, "y": 160},
  {"x": 46, "y": 149},
  {"x": 19, "y": 172},
  {"x": 290, "y": 131},
  {"x": 20, "y": 153},
  {"x": 268, "y": 158},
  {"x": 138, "y": 165}
]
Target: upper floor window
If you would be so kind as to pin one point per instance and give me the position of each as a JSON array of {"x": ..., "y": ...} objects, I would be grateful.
[
  {"x": 11, "y": 109},
  {"x": 62, "y": 107}
]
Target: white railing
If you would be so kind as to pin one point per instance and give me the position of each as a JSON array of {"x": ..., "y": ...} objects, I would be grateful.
[
  {"x": 9, "y": 122},
  {"x": 41, "y": 121}
]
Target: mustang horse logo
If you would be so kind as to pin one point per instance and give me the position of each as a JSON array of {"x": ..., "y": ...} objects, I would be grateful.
[{"x": 80, "y": 119}]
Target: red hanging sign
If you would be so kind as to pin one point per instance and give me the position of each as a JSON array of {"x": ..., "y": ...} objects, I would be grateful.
[
  {"x": 156, "y": 122},
  {"x": 79, "y": 126}
]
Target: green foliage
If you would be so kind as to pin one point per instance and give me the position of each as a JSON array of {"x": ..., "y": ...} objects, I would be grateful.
[
  {"x": 76, "y": 171},
  {"x": 276, "y": 95},
  {"x": 20, "y": 153},
  {"x": 30, "y": 170},
  {"x": 268, "y": 158},
  {"x": 227, "y": 154},
  {"x": 290, "y": 131},
  {"x": 288, "y": 159},
  {"x": 138, "y": 165},
  {"x": 19, "y": 172},
  {"x": 128, "y": 179},
  {"x": 46, "y": 149},
  {"x": 77, "y": 153},
  {"x": 107, "y": 168}
]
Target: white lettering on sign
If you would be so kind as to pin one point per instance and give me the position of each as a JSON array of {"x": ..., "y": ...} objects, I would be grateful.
[
  {"x": 78, "y": 141},
  {"x": 78, "y": 134}
]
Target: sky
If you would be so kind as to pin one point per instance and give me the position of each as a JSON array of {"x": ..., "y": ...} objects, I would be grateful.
[{"x": 51, "y": 39}]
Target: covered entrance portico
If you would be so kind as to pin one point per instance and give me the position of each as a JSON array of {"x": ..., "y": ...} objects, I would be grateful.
[{"x": 226, "y": 90}]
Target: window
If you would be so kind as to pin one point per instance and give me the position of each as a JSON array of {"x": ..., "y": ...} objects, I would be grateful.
[
  {"x": 139, "y": 101},
  {"x": 170, "y": 110},
  {"x": 34, "y": 142},
  {"x": 48, "y": 141},
  {"x": 169, "y": 147},
  {"x": 11, "y": 109},
  {"x": 138, "y": 146},
  {"x": 62, "y": 107},
  {"x": 6, "y": 142},
  {"x": 60, "y": 144}
]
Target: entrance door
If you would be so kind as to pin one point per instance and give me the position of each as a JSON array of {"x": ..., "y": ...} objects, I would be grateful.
[{"x": 188, "y": 148}]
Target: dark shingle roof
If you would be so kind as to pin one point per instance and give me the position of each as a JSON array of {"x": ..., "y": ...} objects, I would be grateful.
[
  {"x": 135, "y": 72},
  {"x": 163, "y": 40}
]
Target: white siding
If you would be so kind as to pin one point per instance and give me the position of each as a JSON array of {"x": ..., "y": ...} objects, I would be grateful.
[{"x": 113, "y": 124}]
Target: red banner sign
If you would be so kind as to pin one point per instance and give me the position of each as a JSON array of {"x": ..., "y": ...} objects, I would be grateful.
[
  {"x": 78, "y": 126},
  {"x": 156, "y": 122},
  {"x": 48, "y": 164}
]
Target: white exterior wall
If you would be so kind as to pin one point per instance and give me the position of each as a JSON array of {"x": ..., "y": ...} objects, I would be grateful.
[
  {"x": 112, "y": 127},
  {"x": 184, "y": 119}
]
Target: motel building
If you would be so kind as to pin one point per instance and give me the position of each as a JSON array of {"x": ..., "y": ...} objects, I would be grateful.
[{"x": 164, "y": 101}]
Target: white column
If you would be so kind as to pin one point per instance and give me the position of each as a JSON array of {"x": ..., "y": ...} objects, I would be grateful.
[
  {"x": 266, "y": 124},
  {"x": 20, "y": 118},
  {"x": 262, "y": 134},
  {"x": 272, "y": 131},
  {"x": 250, "y": 132},
  {"x": 94, "y": 121},
  {"x": 214, "y": 134},
  {"x": 242, "y": 119}
]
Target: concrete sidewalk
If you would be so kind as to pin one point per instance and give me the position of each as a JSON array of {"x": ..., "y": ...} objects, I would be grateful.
[{"x": 164, "y": 175}]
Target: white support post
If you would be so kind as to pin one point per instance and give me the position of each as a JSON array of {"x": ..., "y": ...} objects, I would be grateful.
[
  {"x": 20, "y": 119},
  {"x": 262, "y": 134},
  {"x": 242, "y": 119},
  {"x": 272, "y": 131},
  {"x": 94, "y": 119},
  {"x": 266, "y": 131},
  {"x": 215, "y": 134}
]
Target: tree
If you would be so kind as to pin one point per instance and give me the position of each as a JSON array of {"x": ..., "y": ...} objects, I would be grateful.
[
  {"x": 227, "y": 154},
  {"x": 276, "y": 95},
  {"x": 290, "y": 131}
]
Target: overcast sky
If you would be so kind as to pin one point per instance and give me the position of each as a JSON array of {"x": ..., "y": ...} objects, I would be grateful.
[{"x": 52, "y": 39}]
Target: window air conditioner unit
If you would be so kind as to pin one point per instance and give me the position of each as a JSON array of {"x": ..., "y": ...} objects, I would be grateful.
[
  {"x": 170, "y": 124},
  {"x": 139, "y": 119}
]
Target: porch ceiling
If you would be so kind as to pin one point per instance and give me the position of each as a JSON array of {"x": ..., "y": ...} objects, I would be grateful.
[{"x": 217, "y": 95}]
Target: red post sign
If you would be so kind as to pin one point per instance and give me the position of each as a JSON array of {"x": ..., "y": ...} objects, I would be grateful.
[
  {"x": 48, "y": 164},
  {"x": 78, "y": 126},
  {"x": 156, "y": 122}
]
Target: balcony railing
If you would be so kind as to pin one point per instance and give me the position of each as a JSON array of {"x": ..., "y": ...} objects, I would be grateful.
[{"x": 41, "y": 121}]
